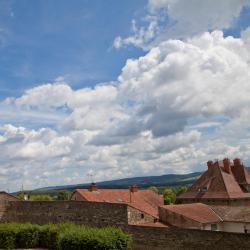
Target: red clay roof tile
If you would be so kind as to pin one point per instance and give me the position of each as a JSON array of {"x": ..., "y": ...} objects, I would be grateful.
[
  {"x": 144, "y": 200},
  {"x": 217, "y": 183},
  {"x": 195, "y": 211}
]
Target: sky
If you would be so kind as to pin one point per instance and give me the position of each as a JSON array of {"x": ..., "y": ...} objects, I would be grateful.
[{"x": 115, "y": 89}]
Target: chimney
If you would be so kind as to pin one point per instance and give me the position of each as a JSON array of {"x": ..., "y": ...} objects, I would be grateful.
[
  {"x": 210, "y": 164},
  {"x": 93, "y": 187},
  {"x": 133, "y": 188},
  {"x": 237, "y": 162},
  {"x": 226, "y": 164}
]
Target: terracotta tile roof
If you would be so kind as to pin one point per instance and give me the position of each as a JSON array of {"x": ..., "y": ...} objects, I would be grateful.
[
  {"x": 143, "y": 200},
  {"x": 233, "y": 213},
  {"x": 219, "y": 183},
  {"x": 195, "y": 211},
  {"x": 7, "y": 197}
]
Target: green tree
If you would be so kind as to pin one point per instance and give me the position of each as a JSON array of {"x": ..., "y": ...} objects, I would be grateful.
[
  {"x": 20, "y": 195},
  {"x": 180, "y": 190},
  {"x": 154, "y": 189},
  {"x": 169, "y": 196},
  {"x": 63, "y": 195},
  {"x": 40, "y": 197}
]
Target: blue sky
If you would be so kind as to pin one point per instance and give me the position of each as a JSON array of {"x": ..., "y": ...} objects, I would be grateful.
[
  {"x": 121, "y": 88},
  {"x": 47, "y": 39}
]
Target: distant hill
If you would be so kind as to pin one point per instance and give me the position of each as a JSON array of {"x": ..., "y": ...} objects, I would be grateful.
[{"x": 143, "y": 182}]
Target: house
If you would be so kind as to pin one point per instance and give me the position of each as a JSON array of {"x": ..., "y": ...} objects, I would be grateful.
[
  {"x": 207, "y": 217},
  {"x": 193, "y": 216},
  {"x": 145, "y": 201},
  {"x": 235, "y": 218},
  {"x": 224, "y": 183},
  {"x": 219, "y": 200},
  {"x": 7, "y": 197}
]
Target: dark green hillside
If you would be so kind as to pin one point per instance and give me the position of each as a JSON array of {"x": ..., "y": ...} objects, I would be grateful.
[{"x": 143, "y": 182}]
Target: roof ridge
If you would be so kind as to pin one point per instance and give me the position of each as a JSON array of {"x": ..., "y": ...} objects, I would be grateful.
[
  {"x": 215, "y": 213},
  {"x": 220, "y": 170}
]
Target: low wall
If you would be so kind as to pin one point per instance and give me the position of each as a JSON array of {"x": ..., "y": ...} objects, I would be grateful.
[
  {"x": 79, "y": 212},
  {"x": 109, "y": 214},
  {"x": 152, "y": 238}
]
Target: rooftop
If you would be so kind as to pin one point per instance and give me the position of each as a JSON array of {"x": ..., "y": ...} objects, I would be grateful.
[
  {"x": 143, "y": 200},
  {"x": 222, "y": 180},
  {"x": 233, "y": 213},
  {"x": 196, "y": 211}
]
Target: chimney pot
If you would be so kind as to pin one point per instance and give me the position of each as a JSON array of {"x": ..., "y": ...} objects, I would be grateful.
[
  {"x": 133, "y": 188},
  {"x": 210, "y": 164},
  {"x": 226, "y": 164},
  {"x": 237, "y": 162},
  {"x": 93, "y": 187}
]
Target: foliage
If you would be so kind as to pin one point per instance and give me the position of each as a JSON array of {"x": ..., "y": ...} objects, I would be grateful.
[
  {"x": 171, "y": 193},
  {"x": 180, "y": 190},
  {"x": 90, "y": 238},
  {"x": 167, "y": 201},
  {"x": 40, "y": 197},
  {"x": 63, "y": 195},
  {"x": 154, "y": 189},
  {"x": 21, "y": 195},
  {"x": 54, "y": 194},
  {"x": 169, "y": 196},
  {"x": 49, "y": 236},
  {"x": 62, "y": 237}
]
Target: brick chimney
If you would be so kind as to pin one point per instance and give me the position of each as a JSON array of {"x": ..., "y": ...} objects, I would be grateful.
[
  {"x": 237, "y": 162},
  {"x": 133, "y": 188},
  {"x": 93, "y": 187},
  {"x": 226, "y": 164},
  {"x": 210, "y": 164}
]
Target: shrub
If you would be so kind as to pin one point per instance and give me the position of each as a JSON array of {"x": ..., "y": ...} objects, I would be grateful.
[
  {"x": 49, "y": 237},
  {"x": 62, "y": 236},
  {"x": 7, "y": 237},
  {"x": 92, "y": 238},
  {"x": 27, "y": 235}
]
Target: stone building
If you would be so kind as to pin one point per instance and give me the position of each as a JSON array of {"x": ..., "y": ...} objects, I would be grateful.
[
  {"x": 207, "y": 217},
  {"x": 192, "y": 216},
  {"x": 224, "y": 183},
  {"x": 219, "y": 200},
  {"x": 4, "y": 197},
  {"x": 145, "y": 201}
]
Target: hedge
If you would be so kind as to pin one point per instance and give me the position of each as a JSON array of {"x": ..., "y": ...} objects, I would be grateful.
[{"x": 62, "y": 237}]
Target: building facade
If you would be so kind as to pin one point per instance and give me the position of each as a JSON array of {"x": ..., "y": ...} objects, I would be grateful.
[{"x": 224, "y": 183}]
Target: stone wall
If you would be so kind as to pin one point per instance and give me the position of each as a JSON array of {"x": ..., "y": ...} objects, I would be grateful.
[
  {"x": 109, "y": 214},
  {"x": 136, "y": 216},
  {"x": 80, "y": 212},
  {"x": 153, "y": 238}
]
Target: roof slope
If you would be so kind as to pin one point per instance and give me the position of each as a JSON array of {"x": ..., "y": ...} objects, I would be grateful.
[
  {"x": 7, "y": 197},
  {"x": 144, "y": 200},
  {"x": 233, "y": 213},
  {"x": 219, "y": 183},
  {"x": 196, "y": 211}
]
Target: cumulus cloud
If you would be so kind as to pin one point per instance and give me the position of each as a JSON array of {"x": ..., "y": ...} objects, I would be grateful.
[
  {"x": 207, "y": 75},
  {"x": 181, "y": 19},
  {"x": 182, "y": 103}
]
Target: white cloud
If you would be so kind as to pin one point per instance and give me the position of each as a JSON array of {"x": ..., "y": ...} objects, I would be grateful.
[
  {"x": 171, "y": 110},
  {"x": 181, "y": 19}
]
